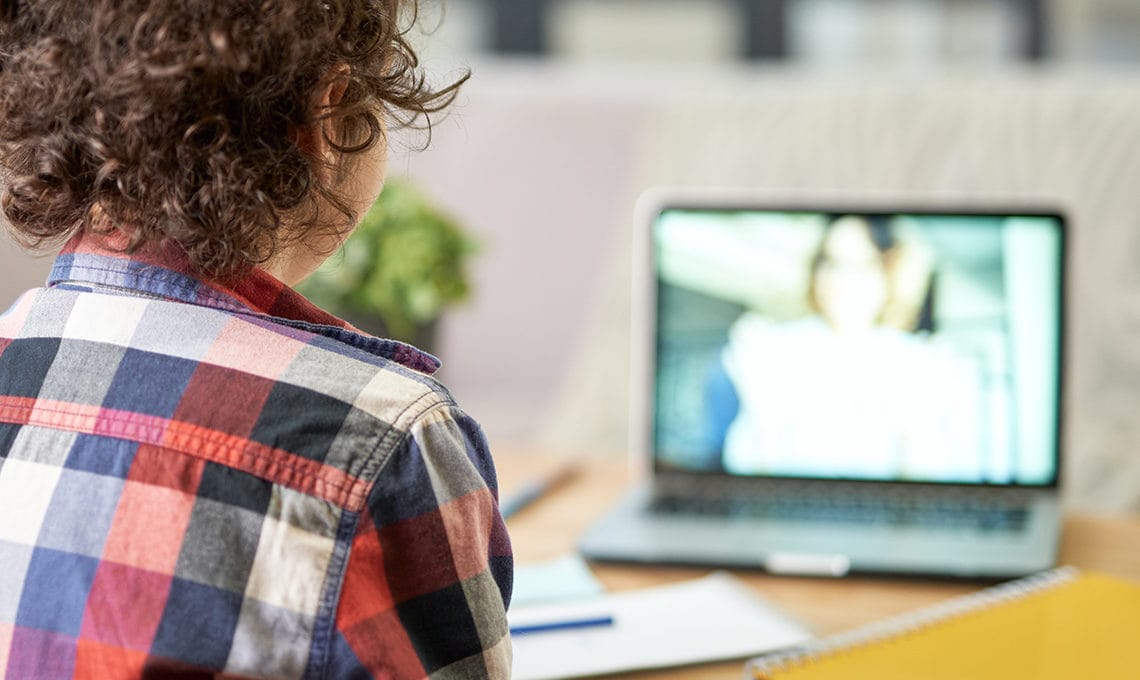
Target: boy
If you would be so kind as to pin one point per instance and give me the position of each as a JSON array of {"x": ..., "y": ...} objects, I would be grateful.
[{"x": 200, "y": 473}]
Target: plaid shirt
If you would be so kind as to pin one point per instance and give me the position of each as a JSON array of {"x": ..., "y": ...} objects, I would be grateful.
[{"x": 200, "y": 481}]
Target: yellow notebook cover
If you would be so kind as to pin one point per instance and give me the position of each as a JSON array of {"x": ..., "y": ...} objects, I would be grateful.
[{"x": 1063, "y": 624}]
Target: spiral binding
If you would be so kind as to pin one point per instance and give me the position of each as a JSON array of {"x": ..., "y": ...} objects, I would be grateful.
[{"x": 766, "y": 667}]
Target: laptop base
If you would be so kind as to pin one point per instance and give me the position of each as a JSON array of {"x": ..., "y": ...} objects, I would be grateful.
[{"x": 630, "y": 533}]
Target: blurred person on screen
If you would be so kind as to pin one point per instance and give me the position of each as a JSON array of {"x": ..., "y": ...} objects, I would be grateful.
[{"x": 856, "y": 388}]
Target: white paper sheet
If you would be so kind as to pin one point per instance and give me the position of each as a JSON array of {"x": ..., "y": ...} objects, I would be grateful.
[{"x": 712, "y": 618}]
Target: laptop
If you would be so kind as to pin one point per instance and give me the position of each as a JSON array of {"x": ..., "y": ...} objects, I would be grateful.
[{"x": 826, "y": 388}]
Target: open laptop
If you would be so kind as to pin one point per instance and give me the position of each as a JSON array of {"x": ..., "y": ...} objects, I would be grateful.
[{"x": 835, "y": 388}]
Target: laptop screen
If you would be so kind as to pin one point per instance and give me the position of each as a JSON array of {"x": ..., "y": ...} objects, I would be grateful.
[{"x": 897, "y": 347}]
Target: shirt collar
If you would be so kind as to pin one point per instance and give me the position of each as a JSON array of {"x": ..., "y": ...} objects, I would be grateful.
[{"x": 98, "y": 262}]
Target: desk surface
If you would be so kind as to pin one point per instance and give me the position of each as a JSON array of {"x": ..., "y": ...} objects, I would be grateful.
[{"x": 549, "y": 528}]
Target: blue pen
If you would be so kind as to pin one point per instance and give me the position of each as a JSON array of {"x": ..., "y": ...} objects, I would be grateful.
[
  {"x": 570, "y": 624},
  {"x": 535, "y": 489}
]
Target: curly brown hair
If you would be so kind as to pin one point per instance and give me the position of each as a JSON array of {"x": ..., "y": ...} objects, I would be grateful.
[{"x": 177, "y": 121}]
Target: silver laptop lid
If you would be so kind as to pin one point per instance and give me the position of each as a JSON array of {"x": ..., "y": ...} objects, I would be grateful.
[{"x": 851, "y": 341}]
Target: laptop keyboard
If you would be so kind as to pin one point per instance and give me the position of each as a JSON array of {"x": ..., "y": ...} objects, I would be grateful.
[{"x": 855, "y": 509}]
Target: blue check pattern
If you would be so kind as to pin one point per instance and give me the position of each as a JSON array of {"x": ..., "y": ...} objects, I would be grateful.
[{"x": 200, "y": 480}]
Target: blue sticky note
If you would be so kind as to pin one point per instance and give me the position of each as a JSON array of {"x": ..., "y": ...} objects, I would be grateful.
[{"x": 565, "y": 578}]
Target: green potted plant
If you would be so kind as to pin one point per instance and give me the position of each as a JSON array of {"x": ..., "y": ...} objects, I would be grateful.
[{"x": 401, "y": 268}]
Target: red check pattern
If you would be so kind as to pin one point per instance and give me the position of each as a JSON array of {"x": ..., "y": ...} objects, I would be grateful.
[{"x": 198, "y": 479}]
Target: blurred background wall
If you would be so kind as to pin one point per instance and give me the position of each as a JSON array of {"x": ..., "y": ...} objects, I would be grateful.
[
  {"x": 576, "y": 106},
  {"x": 805, "y": 31}
]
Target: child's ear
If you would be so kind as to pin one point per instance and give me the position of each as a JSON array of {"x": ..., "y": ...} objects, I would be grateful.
[
  {"x": 332, "y": 92},
  {"x": 314, "y": 138}
]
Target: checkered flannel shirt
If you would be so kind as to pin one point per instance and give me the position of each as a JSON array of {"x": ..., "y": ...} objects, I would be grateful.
[{"x": 205, "y": 481}]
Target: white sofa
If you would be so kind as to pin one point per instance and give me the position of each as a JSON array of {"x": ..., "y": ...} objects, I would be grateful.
[{"x": 545, "y": 162}]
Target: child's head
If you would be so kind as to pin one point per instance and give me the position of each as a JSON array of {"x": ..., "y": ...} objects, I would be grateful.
[{"x": 229, "y": 127}]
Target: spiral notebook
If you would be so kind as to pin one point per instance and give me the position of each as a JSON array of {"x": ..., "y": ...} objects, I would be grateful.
[{"x": 1061, "y": 624}]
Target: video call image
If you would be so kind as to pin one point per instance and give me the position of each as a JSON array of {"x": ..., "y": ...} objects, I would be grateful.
[{"x": 854, "y": 346}]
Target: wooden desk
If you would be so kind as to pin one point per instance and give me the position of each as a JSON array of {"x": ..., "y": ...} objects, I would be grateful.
[{"x": 550, "y": 527}]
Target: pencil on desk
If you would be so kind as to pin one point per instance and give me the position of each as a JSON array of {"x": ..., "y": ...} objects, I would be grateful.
[
  {"x": 569, "y": 624},
  {"x": 536, "y": 488}
]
